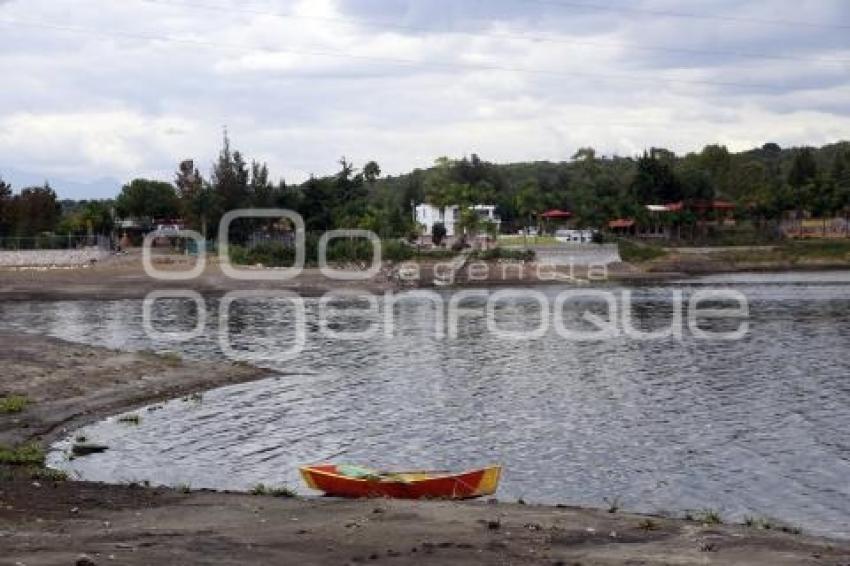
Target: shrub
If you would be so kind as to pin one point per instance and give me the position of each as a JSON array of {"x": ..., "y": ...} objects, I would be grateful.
[
  {"x": 13, "y": 404},
  {"x": 709, "y": 517},
  {"x": 394, "y": 250},
  {"x": 634, "y": 252},
  {"x": 26, "y": 455},
  {"x": 502, "y": 253}
]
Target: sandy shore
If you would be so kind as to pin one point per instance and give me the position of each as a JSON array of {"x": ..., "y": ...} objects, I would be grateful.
[
  {"x": 123, "y": 277},
  {"x": 48, "y": 522}
]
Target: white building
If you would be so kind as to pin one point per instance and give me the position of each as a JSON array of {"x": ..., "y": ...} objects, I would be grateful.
[
  {"x": 427, "y": 215},
  {"x": 575, "y": 236}
]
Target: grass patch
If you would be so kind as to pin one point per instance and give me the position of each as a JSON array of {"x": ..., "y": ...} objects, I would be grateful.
[
  {"x": 504, "y": 253},
  {"x": 817, "y": 249},
  {"x": 766, "y": 524},
  {"x": 518, "y": 240},
  {"x": 171, "y": 358},
  {"x": 709, "y": 517},
  {"x": 634, "y": 252},
  {"x": 282, "y": 491},
  {"x": 184, "y": 488},
  {"x": 794, "y": 251},
  {"x": 47, "y": 474},
  {"x": 26, "y": 455},
  {"x": 13, "y": 404}
]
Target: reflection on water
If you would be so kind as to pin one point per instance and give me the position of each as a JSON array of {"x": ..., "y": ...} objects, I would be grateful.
[{"x": 756, "y": 426}]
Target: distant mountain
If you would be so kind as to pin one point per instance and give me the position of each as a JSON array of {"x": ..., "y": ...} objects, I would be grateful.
[{"x": 101, "y": 188}]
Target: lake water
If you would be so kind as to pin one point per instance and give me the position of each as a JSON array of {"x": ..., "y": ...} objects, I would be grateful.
[{"x": 756, "y": 426}]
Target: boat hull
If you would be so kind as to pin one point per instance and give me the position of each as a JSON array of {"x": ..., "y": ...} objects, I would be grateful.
[{"x": 406, "y": 485}]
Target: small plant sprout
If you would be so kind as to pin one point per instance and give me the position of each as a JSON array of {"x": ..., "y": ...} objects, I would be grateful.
[
  {"x": 263, "y": 489},
  {"x": 614, "y": 503},
  {"x": 710, "y": 517},
  {"x": 282, "y": 491}
]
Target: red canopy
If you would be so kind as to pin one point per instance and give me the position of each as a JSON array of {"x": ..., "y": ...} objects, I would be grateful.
[
  {"x": 621, "y": 223},
  {"x": 555, "y": 213}
]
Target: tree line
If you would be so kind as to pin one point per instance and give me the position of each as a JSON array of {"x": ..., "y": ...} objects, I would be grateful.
[{"x": 765, "y": 184}]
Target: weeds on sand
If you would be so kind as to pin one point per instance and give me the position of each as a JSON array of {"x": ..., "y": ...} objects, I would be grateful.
[
  {"x": 25, "y": 455},
  {"x": 709, "y": 517},
  {"x": 614, "y": 503},
  {"x": 282, "y": 491},
  {"x": 47, "y": 474},
  {"x": 767, "y": 524},
  {"x": 13, "y": 404},
  {"x": 184, "y": 488},
  {"x": 171, "y": 358}
]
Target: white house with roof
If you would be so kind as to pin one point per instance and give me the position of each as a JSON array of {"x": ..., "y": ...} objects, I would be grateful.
[{"x": 427, "y": 215}]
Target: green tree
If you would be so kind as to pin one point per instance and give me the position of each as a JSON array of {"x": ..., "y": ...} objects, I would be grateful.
[
  {"x": 716, "y": 162},
  {"x": 197, "y": 201},
  {"x": 6, "y": 203},
  {"x": 840, "y": 177},
  {"x": 802, "y": 177},
  {"x": 36, "y": 211},
  {"x": 371, "y": 171},
  {"x": 145, "y": 198},
  {"x": 349, "y": 196},
  {"x": 88, "y": 217},
  {"x": 655, "y": 181},
  {"x": 529, "y": 201}
]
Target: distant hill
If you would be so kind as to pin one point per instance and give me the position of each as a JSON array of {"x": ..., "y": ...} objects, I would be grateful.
[{"x": 102, "y": 188}]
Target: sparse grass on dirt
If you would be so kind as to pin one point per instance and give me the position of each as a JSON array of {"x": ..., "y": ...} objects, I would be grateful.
[
  {"x": 13, "y": 404},
  {"x": 282, "y": 491},
  {"x": 634, "y": 252},
  {"x": 24, "y": 455}
]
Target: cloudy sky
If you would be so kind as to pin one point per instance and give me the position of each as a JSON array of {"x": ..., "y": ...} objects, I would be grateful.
[{"x": 96, "y": 92}]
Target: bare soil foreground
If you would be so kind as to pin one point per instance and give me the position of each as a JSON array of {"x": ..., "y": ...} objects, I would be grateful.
[{"x": 44, "y": 520}]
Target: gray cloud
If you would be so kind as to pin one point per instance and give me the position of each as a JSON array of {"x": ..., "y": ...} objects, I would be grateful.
[{"x": 135, "y": 86}]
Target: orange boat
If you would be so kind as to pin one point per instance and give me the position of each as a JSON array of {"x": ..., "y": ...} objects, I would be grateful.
[{"x": 355, "y": 481}]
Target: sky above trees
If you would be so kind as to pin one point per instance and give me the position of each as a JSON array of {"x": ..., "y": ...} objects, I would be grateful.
[{"x": 98, "y": 89}]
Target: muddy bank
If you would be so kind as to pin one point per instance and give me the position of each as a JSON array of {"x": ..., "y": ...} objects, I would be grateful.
[
  {"x": 68, "y": 385},
  {"x": 710, "y": 261},
  {"x": 123, "y": 277},
  {"x": 43, "y": 521},
  {"x": 55, "y": 524}
]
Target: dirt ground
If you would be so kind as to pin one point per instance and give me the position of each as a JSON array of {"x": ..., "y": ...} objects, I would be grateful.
[
  {"x": 48, "y": 522},
  {"x": 123, "y": 277}
]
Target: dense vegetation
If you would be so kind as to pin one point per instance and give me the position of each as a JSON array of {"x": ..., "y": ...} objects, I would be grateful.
[{"x": 764, "y": 183}]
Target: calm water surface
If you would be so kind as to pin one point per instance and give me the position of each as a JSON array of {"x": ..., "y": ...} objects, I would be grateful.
[{"x": 757, "y": 426}]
